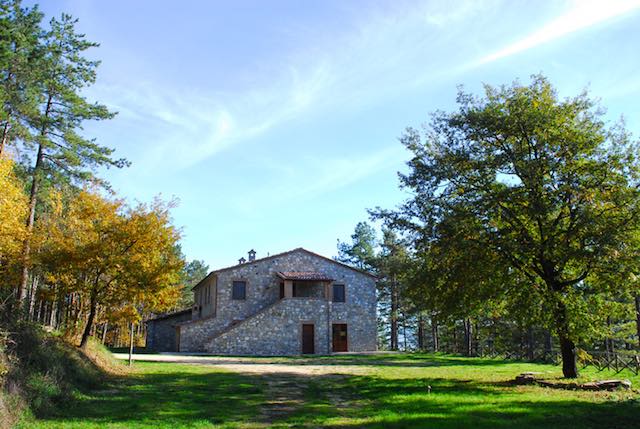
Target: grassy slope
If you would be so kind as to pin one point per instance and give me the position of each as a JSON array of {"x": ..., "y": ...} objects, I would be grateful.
[
  {"x": 162, "y": 395},
  {"x": 39, "y": 371},
  {"x": 392, "y": 392}
]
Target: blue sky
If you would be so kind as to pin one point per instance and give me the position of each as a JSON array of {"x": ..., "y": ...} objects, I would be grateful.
[{"x": 276, "y": 123}]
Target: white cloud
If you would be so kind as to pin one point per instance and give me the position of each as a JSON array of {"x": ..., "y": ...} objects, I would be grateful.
[
  {"x": 382, "y": 53},
  {"x": 582, "y": 14},
  {"x": 312, "y": 177}
]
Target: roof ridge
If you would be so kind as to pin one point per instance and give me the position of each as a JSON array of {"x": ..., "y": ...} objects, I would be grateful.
[{"x": 282, "y": 254}]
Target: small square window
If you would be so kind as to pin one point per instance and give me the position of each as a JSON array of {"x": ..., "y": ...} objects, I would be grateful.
[
  {"x": 239, "y": 290},
  {"x": 338, "y": 293}
]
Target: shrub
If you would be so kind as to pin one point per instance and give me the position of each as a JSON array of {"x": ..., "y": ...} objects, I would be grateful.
[{"x": 43, "y": 370}]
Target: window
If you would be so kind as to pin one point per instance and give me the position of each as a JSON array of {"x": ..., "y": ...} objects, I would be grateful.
[
  {"x": 303, "y": 289},
  {"x": 239, "y": 290},
  {"x": 338, "y": 293},
  {"x": 281, "y": 290}
]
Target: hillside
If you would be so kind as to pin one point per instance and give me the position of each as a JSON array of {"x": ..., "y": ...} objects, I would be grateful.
[{"x": 39, "y": 371}]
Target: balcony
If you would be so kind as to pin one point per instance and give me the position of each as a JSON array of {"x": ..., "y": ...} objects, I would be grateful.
[{"x": 305, "y": 284}]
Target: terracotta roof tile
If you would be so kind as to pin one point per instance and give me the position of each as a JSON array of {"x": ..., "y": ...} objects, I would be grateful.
[{"x": 303, "y": 275}]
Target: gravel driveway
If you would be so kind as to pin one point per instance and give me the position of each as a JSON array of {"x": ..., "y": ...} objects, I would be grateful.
[{"x": 252, "y": 365}]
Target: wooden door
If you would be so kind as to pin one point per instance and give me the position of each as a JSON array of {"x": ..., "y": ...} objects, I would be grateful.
[
  {"x": 308, "y": 335},
  {"x": 339, "y": 337}
]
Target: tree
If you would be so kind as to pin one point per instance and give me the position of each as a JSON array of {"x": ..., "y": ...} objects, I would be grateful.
[
  {"x": 19, "y": 55},
  {"x": 361, "y": 251},
  {"x": 192, "y": 273},
  {"x": 392, "y": 265},
  {"x": 543, "y": 184},
  {"x": 13, "y": 208},
  {"x": 114, "y": 256},
  {"x": 61, "y": 151}
]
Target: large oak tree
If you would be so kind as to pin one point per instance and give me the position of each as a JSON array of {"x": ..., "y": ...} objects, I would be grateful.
[{"x": 544, "y": 184}]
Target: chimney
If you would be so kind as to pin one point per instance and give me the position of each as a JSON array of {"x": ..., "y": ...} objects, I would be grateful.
[
  {"x": 252, "y": 255},
  {"x": 241, "y": 261}
]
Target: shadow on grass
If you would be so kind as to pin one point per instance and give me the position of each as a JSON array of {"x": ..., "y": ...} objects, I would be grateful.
[
  {"x": 372, "y": 402},
  {"x": 170, "y": 396},
  {"x": 168, "y": 399}
]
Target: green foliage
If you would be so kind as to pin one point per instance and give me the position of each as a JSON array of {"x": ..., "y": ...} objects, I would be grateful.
[
  {"x": 361, "y": 251},
  {"x": 19, "y": 53},
  {"x": 518, "y": 194},
  {"x": 64, "y": 74},
  {"x": 192, "y": 273}
]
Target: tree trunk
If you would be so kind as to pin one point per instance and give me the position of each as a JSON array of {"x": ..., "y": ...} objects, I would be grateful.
[
  {"x": 420, "y": 332},
  {"x": 609, "y": 346},
  {"x": 434, "y": 334},
  {"x": 638, "y": 317},
  {"x": 26, "y": 247},
  {"x": 468, "y": 342},
  {"x": 476, "y": 339},
  {"x": 455, "y": 348},
  {"x": 131, "y": 345},
  {"x": 5, "y": 137},
  {"x": 394, "y": 316},
  {"x": 569, "y": 364},
  {"x": 404, "y": 331},
  {"x": 567, "y": 347},
  {"x": 92, "y": 315},
  {"x": 32, "y": 298},
  {"x": 494, "y": 328},
  {"x": 105, "y": 328},
  {"x": 530, "y": 344},
  {"x": 33, "y": 200}
]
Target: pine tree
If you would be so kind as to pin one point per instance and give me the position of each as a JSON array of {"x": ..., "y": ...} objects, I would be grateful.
[
  {"x": 20, "y": 52},
  {"x": 62, "y": 153}
]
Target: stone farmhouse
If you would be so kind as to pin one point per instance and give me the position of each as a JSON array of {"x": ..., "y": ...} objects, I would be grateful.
[{"x": 296, "y": 302}]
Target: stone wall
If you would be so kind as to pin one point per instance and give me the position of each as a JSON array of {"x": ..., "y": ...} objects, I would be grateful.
[
  {"x": 277, "y": 330},
  {"x": 263, "y": 290},
  {"x": 161, "y": 332}
]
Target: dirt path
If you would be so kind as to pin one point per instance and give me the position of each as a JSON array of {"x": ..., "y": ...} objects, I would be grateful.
[
  {"x": 253, "y": 365},
  {"x": 285, "y": 382},
  {"x": 285, "y": 395}
]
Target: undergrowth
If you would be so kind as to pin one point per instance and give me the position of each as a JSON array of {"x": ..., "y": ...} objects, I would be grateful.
[{"x": 39, "y": 371}]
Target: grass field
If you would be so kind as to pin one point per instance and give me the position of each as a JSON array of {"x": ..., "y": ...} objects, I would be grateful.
[{"x": 379, "y": 391}]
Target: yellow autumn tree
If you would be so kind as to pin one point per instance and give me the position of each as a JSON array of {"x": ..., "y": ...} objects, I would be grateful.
[
  {"x": 110, "y": 255},
  {"x": 13, "y": 210}
]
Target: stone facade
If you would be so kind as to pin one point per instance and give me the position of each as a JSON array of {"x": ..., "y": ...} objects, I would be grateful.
[
  {"x": 161, "y": 331},
  {"x": 268, "y": 323}
]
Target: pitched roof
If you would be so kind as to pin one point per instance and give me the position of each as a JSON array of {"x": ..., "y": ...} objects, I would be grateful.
[
  {"x": 169, "y": 315},
  {"x": 303, "y": 275},
  {"x": 297, "y": 249}
]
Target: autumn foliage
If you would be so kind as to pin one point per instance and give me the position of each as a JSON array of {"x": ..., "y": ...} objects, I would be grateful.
[{"x": 72, "y": 254}]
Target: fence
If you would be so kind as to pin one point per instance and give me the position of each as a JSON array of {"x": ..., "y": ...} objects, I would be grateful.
[
  {"x": 612, "y": 361},
  {"x": 600, "y": 360}
]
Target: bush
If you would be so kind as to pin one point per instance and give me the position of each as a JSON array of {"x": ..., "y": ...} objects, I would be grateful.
[{"x": 43, "y": 370}]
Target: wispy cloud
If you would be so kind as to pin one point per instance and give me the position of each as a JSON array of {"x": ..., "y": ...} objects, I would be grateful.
[
  {"x": 313, "y": 177},
  {"x": 582, "y": 14},
  {"x": 178, "y": 129},
  {"x": 382, "y": 53}
]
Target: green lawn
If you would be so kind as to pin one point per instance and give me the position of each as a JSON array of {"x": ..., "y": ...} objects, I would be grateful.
[{"x": 389, "y": 391}]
